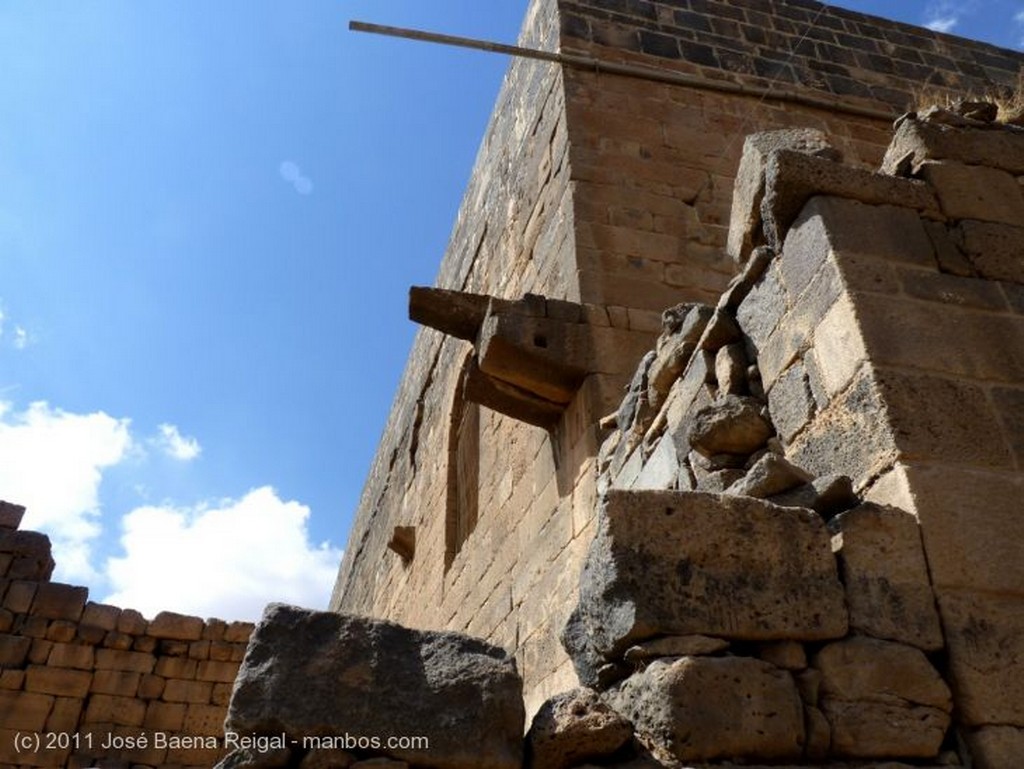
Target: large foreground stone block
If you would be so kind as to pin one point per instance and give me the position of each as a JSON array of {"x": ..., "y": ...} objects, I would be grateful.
[
  {"x": 706, "y": 708},
  {"x": 311, "y": 673},
  {"x": 681, "y": 563}
]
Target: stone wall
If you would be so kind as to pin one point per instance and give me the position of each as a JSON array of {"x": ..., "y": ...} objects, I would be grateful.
[
  {"x": 612, "y": 192},
  {"x": 76, "y": 675}
]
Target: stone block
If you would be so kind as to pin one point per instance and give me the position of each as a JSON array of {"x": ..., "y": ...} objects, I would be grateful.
[
  {"x": 131, "y": 622},
  {"x": 165, "y": 716},
  {"x": 952, "y": 290},
  {"x": 787, "y": 655},
  {"x": 790, "y": 402},
  {"x": 59, "y": 681},
  {"x": 10, "y": 515},
  {"x": 996, "y": 747},
  {"x": 120, "y": 683},
  {"x": 745, "y": 231},
  {"x": 731, "y": 369},
  {"x": 985, "y": 638},
  {"x": 888, "y": 589},
  {"x": 204, "y": 720},
  {"x": 661, "y": 470},
  {"x": 24, "y": 710},
  {"x": 763, "y": 307},
  {"x": 55, "y": 600},
  {"x": 994, "y": 250},
  {"x": 19, "y": 596},
  {"x": 972, "y": 527},
  {"x": 989, "y": 345},
  {"x": 976, "y": 192},
  {"x": 187, "y": 691},
  {"x": 65, "y": 715},
  {"x": 13, "y": 650},
  {"x": 791, "y": 179},
  {"x": 732, "y": 424},
  {"x": 66, "y": 655},
  {"x": 151, "y": 687},
  {"x": 882, "y": 700},
  {"x": 574, "y": 727},
  {"x": 708, "y": 708},
  {"x": 918, "y": 141},
  {"x": 305, "y": 672},
  {"x": 61, "y": 631},
  {"x": 177, "y": 627},
  {"x": 839, "y": 348},
  {"x": 40, "y": 650},
  {"x": 771, "y": 474},
  {"x": 655, "y": 568},
  {"x": 122, "y": 711},
  {"x": 116, "y": 659},
  {"x": 33, "y": 559},
  {"x": 674, "y": 646},
  {"x": 219, "y": 672},
  {"x": 100, "y": 615},
  {"x": 850, "y": 436},
  {"x": 120, "y": 641}
]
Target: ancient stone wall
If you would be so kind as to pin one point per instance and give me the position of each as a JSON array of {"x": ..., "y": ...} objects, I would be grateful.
[
  {"x": 86, "y": 684},
  {"x": 612, "y": 192}
]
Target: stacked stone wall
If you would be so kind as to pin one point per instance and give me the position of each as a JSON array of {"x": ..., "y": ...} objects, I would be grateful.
[{"x": 87, "y": 684}]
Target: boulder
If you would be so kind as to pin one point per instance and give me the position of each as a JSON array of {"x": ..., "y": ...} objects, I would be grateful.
[
  {"x": 308, "y": 673},
  {"x": 683, "y": 563},
  {"x": 733, "y": 424},
  {"x": 572, "y": 727},
  {"x": 708, "y": 708},
  {"x": 882, "y": 699},
  {"x": 771, "y": 474}
]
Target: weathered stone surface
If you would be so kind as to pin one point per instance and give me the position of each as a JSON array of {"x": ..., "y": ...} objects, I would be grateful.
[
  {"x": 707, "y": 708},
  {"x": 790, "y": 402},
  {"x": 976, "y": 192},
  {"x": 671, "y": 359},
  {"x": 733, "y": 424},
  {"x": 655, "y": 567},
  {"x": 314, "y": 673},
  {"x": 985, "y": 638},
  {"x": 721, "y": 330},
  {"x": 997, "y": 747},
  {"x": 791, "y": 179},
  {"x": 994, "y": 250},
  {"x": 882, "y": 699},
  {"x": 320, "y": 758},
  {"x": 573, "y": 727},
  {"x": 661, "y": 470},
  {"x": 10, "y": 515},
  {"x": 819, "y": 734},
  {"x": 741, "y": 284},
  {"x": 635, "y": 402},
  {"x": 888, "y": 590},
  {"x": 771, "y": 474},
  {"x": 675, "y": 646},
  {"x": 745, "y": 224},
  {"x": 731, "y": 369},
  {"x": 921, "y": 141},
  {"x": 31, "y": 553},
  {"x": 788, "y": 655}
]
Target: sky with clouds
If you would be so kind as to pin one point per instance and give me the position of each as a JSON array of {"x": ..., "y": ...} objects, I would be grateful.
[{"x": 210, "y": 215}]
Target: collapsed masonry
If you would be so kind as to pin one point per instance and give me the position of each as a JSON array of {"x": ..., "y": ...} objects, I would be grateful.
[{"x": 808, "y": 535}]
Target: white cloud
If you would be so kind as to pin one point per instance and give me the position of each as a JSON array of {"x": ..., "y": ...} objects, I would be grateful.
[
  {"x": 226, "y": 560},
  {"x": 52, "y": 462},
  {"x": 292, "y": 174},
  {"x": 943, "y": 23},
  {"x": 21, "y": 338},
  {"x": 175, "y": 445}
]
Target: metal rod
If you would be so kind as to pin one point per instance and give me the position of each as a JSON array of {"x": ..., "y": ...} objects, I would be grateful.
[{"x": 652, "y": 74}]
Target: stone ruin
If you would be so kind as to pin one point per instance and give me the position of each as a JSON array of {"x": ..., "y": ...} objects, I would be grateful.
[{"x": 742, "y": 603}]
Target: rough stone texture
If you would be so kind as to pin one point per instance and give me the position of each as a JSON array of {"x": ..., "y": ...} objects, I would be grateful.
[
  {"x": 675, "y": 646},
  {"x": 312, "y": 673},
  {"x": 985, "y": 636},
  {"x": 655, "y": 568},
  {"x": 976, "y": 192},
  {"x": 731, "y": 425},
  {"x": 993, "y": 249},
  {"x": 770, "y": 475},
  {"x": 882, "y": 700},
  {"x": 745, "y": 232},
  {"x": 888, "y": 590},
  {"x": 574, "y": 727},
  {"x": 707, "y": 708},
  {"x": 996, "y": 747},
  {"x": 918, "y": 141}
]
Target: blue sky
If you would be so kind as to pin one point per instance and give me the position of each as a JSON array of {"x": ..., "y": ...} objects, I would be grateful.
[{"x": 210, "y": 214}]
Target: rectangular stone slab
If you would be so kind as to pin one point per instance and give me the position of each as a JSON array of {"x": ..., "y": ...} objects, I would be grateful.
[{"x": 676, "y": 563}]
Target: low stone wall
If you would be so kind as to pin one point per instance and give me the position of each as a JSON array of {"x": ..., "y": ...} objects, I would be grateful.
[{"x": 87, "y": 684}]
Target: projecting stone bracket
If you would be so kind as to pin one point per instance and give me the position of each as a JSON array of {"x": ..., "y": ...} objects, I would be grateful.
[{"x": 531, "y": 355}]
